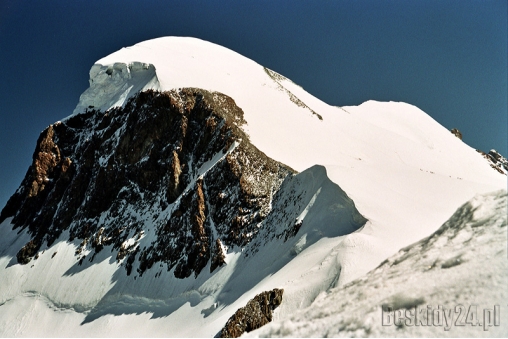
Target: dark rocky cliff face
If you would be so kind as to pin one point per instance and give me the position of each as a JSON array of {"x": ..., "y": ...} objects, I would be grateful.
[
  {"x": 258, "y": 312},
  {"x": 175, "y": 165}
]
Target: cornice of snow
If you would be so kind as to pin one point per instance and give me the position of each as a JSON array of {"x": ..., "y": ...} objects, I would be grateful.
[
  {"x": 167, "y": 63},
  {"x": 111, "y": 85}
]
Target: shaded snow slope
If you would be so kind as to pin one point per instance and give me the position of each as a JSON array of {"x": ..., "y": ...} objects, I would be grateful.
[
  {"x": 462, "y": 263},
  {"x": 100, "y": 299}
]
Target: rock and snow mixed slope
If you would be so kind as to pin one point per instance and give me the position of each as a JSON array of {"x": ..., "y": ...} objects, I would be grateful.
[{"x": 157, "y": 203}]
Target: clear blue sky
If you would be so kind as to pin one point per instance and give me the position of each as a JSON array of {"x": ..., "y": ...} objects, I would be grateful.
[{"x": 447, "y": 57}]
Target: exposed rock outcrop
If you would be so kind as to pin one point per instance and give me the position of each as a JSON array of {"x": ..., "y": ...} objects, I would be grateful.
[
  {"x": 218, "y": 257},
  {"x": 257, "y": 312},
  {"x": 496, "y": 161},
  {"x": 457, "y": 133},
  {"x": 177, "y": 160},
  {"x": 278, "y": 79}
]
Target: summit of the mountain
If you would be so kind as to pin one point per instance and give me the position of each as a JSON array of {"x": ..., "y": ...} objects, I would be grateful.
[{"x": 190, "y": 179}]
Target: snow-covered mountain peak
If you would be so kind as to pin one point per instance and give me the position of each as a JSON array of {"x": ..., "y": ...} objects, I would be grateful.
[{"x": 191, "y": 179}]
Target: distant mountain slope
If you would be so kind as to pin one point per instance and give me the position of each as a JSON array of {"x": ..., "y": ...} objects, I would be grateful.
[{"x": 190, "y": 179}]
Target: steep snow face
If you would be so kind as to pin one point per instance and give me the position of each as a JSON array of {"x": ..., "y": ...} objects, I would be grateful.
[{"x": 460, "y": 273}]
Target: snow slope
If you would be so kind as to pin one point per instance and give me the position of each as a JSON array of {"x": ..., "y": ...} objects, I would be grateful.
[
  {"x": 405, "y": 173},
  {"x": 469, "y": 250}
]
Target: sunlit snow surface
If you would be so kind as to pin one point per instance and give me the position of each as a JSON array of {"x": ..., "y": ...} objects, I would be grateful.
[
  {"x": 405, "y": 173},
  {"x": 462, "y": 268}
]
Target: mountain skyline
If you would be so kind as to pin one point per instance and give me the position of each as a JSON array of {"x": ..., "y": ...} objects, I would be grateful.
[{"x": 448, "y": 59}]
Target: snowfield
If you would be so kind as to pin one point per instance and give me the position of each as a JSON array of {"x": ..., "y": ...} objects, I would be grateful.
[
  {"x": 461, "y": 268},
  {"x": 405, "y": 173}
]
